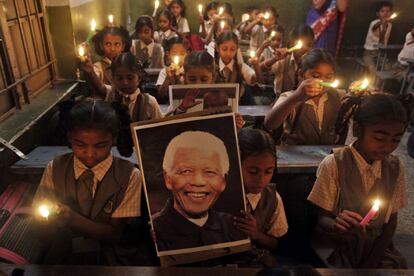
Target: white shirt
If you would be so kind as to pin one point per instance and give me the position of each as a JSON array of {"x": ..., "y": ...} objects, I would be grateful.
[
  {"x": 160, "y": 36},
  {"x": 247, "y": 72},
  {"x": 150, "y": 47},
  {"x": 207, "y": 25},
  {"x": 373, "y": 38},
  {"x": 408, "y": 49},
  {"x": 182, "y": 25}
]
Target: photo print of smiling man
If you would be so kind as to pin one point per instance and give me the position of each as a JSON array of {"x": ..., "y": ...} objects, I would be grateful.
[{"x": 193, "y": 184}]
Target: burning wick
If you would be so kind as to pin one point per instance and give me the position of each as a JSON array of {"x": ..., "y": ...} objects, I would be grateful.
[
  {"x": 221, "y": 10},
  {"x": 176, "y": 60},
  {"x": 371, "y": 213},
  {"x": 111, "y": 19},
  {"x": 200, "y": 9},
  {"x": 272, "y": 34},
  {"x": 298, "y": 46},
  {"x": 93, "y": 25},
  {"x": 156, "y": 5},
  {"x": 44, "y": 212},
  {"x": 252, "y": 53},
  {"x": 81, "y": 53},
  {"x": 267, "y": 16},
  {"x": 334, "y": 84},
  {"x": 245, "y": 17},
  {"x": 394, "y": 15},
  {"x": 364, "y": 84},
  {"x": 222, "y": 24}
]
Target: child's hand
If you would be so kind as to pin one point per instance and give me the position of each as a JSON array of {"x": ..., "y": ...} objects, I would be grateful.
[
  {"x": 85, "y": 65},
  {"x": 354, "y": 88},
  {"x": 266, "y": 43},
  {"x": 347, "y": 220},
  {"x": 247, "y": 225},
  {"x": 171, "y": 71},
  {"x": 239, "y": 121},
  {"x": 309, "y": 88},
  {"x": 280, "y": 53},
  {"x": 254, "y": 61},
  {"x": 189, "y": 100},
  {"x": 63, "y": 214}
]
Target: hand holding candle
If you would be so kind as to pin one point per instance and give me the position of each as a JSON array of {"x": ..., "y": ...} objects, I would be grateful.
[
  {"x": 364, "y": 222},
  {"x": 245, "y": 17},
  {"x": 333, "y": 84},
  {"x": 298, "y": 46},
  {"x": 222, "y": 25},
  {"x": 200, "y": 9},
  {"x": 393, "y": 16},
  {"x": 156, "y": 6},
  {"x": 111, "y": 20}
]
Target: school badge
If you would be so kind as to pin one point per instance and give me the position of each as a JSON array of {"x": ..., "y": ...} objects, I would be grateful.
[{"x": 109, "y": 207}]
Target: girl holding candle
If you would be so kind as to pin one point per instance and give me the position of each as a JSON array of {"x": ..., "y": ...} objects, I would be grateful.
[
  {"x": 259, "y": 28},
  {"x": 108, "y": 43},
  {"x": 166, "y": 22},
  {"x": 309, "y": 113},
  {"x": 176, "y": 49},
  {"x": 350, "y": 180},
  {"x": 177, "y": 8},
  {"x": 149, "y": 53},
  {"x": 207, "y": 20},
  {"x": 285, "y": 66},
  {"x": 95, "y": 192}
]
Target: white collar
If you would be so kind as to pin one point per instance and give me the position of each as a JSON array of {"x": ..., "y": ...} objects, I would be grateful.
[
  {"x": 363, "y": 165},
  {"x": 222, "y": 65},
  {"x": 132, "y": 97},
  {"x": 253, "y": 200},
  {"x": 200, "y": 221}
]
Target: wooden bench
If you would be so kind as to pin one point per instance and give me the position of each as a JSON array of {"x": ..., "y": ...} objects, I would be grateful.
[{"x": 384, "y": 75}]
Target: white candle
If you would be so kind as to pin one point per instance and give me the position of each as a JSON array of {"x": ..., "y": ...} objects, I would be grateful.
[
  {"x": 156, "y": 5},
  {"x": 221, "y": 11},
  {"x": 245, "y": 17},
  {"x": 371, "y": 213},
  {"x": 222, "y": 24},
  {"x": 267, "y": 15},
  {"x": 394, "y": 15},
  {"x": 298, "y": 46},
  {"x": 81, "y": 53},
  {"x": 176, "y": 60},
  {"x": 200, "y": 9},
  {"x": 93, "y": 24},
  {"x": 111, "y": 19},
  {"x": 252, "y": 53}
]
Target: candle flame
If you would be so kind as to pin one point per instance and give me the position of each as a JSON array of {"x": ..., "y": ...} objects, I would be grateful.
[
  {"x": 299, "y": 45},
  {"x": 156, "y": 4},
  {"x": 44, "y": 211},
  {"x": 111, "y": 18},
  {"x": 221, "y": 10},
  {"x": 81, "y": 51},
  {"x": 272, "y": 34},
  {"x": 365, "y": 84},
  {"x": 252, "y": 53},
  {"x": 335, "y": 84},
  {"x": 176, "y": 60},
  {"x": 377, "y": 204},
  {"x": 93, "y": 24},
  {"x": 200, "y": 9},
  {"x": 245, "y": 17},
  {"x": 394, "y": 15},
  {"x": 222, "y": 24},
  {"x": 267, "y": 16}
]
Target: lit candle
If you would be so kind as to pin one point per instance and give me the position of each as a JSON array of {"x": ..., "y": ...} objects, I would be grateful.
[
  {"x": 44, "y": 211},
  {"x": 200, "y": 9},
  {"x": 221, "y": 11},
  {"x": 111, "y": 19},
  {"x": 245, "y": 17},
  {"x": 364, "y": 85},
  {"x": 92, "y": 31},
  {"x": 81, "y": 53},
  {"x": 334, "y": 84},
  {"x": 272, "y": 35},
  {"x": 252, "y": 53},
  {"x": 394, "y": 15},
  {"x": 176, "y": 60},
  {"x": 267, "y": 16},
  {"x": 222, "y": 24},
  {"x": 298, "y": 46},
  {"x": 371, "y": 213},
  {"x": 156, "y": 6}
]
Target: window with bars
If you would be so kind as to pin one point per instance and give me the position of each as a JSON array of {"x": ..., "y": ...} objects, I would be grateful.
[{"x": 26, "y": 56}]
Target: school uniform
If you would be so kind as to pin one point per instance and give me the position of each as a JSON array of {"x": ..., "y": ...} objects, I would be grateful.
[
  {"x": 102, "y": 69},
  {"x": 381, "y": 36},
  {"x": 208, "y": 26},
  {"x": 182, "y": 25},
  {"x": 141, "y": 106},
  {"x": 151, "y": 55},
  {"x": 311, "y": 124},
  {"x": 285, "y": 72},
  {"x": 345, "y": 181},
  {"x": 111, "y": 189},
  {"x": 160, "y": 36},
  {"x": 174, "y": 231}
]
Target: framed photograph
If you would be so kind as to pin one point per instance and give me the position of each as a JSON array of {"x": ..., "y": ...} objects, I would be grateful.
[
  {"x": 193, "y": 186},
  {"x": 208, "y": 96}
]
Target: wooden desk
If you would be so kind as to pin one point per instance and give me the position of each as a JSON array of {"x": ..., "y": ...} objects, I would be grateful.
[
  {"x": 256, "y": 111},
  {"x": 291, "y": 159},
  {"x": 44, "y": 270}
]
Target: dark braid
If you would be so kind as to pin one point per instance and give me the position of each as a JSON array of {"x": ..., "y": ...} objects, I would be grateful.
[
  {"x": 124, "y": 142},
  {"x": 345, "y": 113}
]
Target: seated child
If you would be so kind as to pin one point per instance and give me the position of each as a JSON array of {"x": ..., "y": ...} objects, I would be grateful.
[
  {"x": 207, "y": 19},
  {"x": 309, "y": 113},
  {"x": 93, "y": 193},
  {"x": 253, "y": 13},
  {"x": 259, "y": 28},
  {"x": 149, "y": 53},
  {"x": 285, "y": 70},
  {"x": 127, "y": 77},
  {"x": 176, "y": 49},
  {"x": 177, "y": 8},
  {"x": 166, "y": 22},
  {"x": 352, "y": 178},
  {"x": 379, "y": 32},
  {"x": 265, "y": 222},
  {"x": 108, "y": 43}
]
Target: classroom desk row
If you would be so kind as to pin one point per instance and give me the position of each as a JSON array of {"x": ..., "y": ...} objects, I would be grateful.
[
  {"x": 255, "y": 111},
  {"x": 35, "y": 270},
  {"x": 291, "y": 159}
]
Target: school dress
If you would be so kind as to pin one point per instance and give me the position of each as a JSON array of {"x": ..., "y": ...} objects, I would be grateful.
[
  {"x": 113, "y": 191},
  {"x": 285, "y": 72},
  {"x": 141, "y": 106},
  {"x": 182, "y": 25},
  {"x": 102, "y": 69},
  {"x": 347, "y": 182},
  {"x": 311, "y": 124},
  {"x": 160, "y": 36},
  {"x": 151, "y": 55}
]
